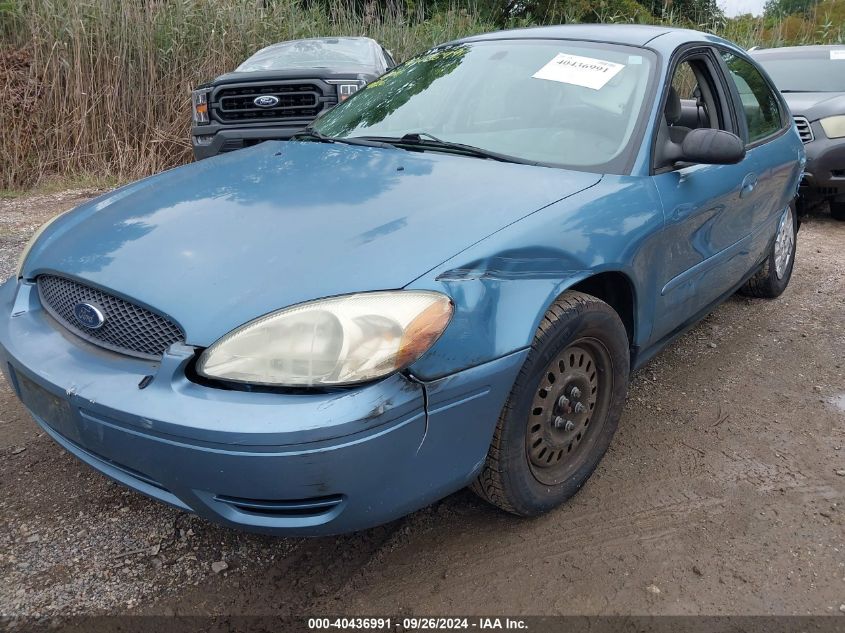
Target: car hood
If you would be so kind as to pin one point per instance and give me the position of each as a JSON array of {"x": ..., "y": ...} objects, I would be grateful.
[
  {"x": 815, "y": 105},
  {"x": 217, "y": 243}
]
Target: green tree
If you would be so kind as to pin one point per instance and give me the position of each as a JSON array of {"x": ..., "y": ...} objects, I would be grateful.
[
  {"x": 696, "y": 13},
  {"x": 779, "y": 8}
]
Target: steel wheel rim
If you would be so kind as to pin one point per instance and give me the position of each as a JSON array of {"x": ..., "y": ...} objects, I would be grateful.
[
  {"x": 563, "y": 425},
  {"x": 784, "y": 243}
]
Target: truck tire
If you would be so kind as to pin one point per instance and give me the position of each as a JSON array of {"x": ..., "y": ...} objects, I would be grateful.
[{"x": 562, "y": 411}]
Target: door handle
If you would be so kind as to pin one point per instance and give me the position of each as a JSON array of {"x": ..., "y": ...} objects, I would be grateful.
[{"x": 748, "y": 184}]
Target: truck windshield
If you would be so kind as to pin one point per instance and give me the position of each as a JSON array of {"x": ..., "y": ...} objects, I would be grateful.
[
  {"x": 561, "y": 103},
  {"x": 316, "y": 53}
]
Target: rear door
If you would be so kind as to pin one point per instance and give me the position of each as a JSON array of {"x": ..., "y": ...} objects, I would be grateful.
[
  {"x": 770, "y": 141},
  {"x": 709, "y": 209}
]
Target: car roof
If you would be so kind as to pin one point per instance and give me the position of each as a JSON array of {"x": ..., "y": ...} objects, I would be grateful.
[
  {"x": 818, "y": 50},
  {"x": 630, "y": 34}
]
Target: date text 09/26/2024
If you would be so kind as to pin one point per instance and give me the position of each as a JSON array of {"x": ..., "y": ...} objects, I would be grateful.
[{"x": 416, "y": 623}]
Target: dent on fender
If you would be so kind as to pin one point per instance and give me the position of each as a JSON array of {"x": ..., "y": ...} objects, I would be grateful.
[
  {"x": 501, "y": 291},
  {"x": 496, "y": 303},
  {"x": 507, "y": 267}
]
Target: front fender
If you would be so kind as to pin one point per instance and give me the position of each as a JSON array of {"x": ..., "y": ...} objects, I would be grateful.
[{"x": 503, "y": 285}]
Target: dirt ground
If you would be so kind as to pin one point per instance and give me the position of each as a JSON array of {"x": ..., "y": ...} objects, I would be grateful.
[{"x": 723, "y": 493}]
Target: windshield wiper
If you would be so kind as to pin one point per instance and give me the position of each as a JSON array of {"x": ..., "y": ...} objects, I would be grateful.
[
  {"x": 424, "y": 141},
  {"x": 311, "y": 133},
  {"x": 419, "y": 136}
]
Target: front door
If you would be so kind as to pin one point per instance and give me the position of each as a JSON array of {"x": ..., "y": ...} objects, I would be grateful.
[{"x": 708, "y": 209}]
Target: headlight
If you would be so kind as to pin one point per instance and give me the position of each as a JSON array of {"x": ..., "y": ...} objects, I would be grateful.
[
  {"x": 347, "y": 87},
  {"x": 834, "y": 126},
  {"x": 344, "y": 91},
  {"x": 32, "y": 241},
  {"x": 329, "y": 342},
  {"x": 199, "y": 101}
]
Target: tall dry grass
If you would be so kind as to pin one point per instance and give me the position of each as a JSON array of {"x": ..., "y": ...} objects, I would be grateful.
[{"x": 103, "y": 86}]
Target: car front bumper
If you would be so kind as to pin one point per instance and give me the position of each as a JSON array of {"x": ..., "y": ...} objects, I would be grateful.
[
  {"x": 284, "y": 463},
  {"x": 824, "y": 174}
]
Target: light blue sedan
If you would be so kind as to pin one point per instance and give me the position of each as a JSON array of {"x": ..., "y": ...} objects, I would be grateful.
[{"x": 446, "y": 281}]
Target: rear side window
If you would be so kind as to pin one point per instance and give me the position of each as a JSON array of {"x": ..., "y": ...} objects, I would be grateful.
[{"x": 759, "y": 103}]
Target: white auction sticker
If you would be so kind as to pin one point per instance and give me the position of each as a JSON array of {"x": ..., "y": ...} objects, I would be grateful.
[
  {"x": 837, "y": 54},
  {"x": 580, "y": 71}
]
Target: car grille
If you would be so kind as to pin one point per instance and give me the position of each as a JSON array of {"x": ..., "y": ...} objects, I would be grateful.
[
  {"x": 296, "y": 101},
  {"x": 127, "y": 328},
  {"x": 804, "y": 129}
]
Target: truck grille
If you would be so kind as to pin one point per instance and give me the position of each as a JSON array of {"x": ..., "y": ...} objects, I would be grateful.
[
  {"x": 127, "y": 328},
  {"x": 804, "y": 129},
  {"x": 296, "y": 101}
]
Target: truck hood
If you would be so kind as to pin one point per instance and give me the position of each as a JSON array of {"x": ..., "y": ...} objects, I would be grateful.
[
  {"x": 335, "y": 72},
  {"x": 815, "y": 105},
  {"x": 217, "y": 243}
]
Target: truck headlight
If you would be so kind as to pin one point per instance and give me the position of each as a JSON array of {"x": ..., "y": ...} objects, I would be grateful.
[
  {"x": 347, "y": 87},
  {"x": 833, "y": 126},
  {"x": 344, "y": 91},
  {"x": 199, "y": 101},
  {"x": 331, "y": 342}
]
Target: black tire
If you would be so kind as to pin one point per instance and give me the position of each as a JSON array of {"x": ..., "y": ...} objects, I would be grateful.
[
  {"x": 516, "y": 477},
  {"x": 770, "y": 281},
  {"x": 837, "y": 210}
]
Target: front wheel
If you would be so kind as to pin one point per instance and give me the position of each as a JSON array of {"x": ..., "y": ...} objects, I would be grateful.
[
  {"x": 562, "y": 411},
  {"x": 774, "y": 275}
]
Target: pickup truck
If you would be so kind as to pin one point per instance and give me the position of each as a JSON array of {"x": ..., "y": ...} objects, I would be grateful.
[{"x": 280, "y": 89}]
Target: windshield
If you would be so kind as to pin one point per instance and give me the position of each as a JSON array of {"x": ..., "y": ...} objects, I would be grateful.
[
  {"x": 807, "y": 74},
  {"x": 572, "y": 104},
  {"x": 311, "y": 54}
]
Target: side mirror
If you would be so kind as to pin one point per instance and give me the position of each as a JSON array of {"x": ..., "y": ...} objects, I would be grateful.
[{"x": 710, "y": 147}]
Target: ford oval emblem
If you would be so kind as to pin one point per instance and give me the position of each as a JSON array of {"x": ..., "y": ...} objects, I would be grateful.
[
  {"x": 89, "y": 315},
  {"x": 266, "y": 101}
]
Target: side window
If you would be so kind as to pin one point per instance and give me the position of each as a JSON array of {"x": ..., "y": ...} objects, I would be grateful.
[
  {"x": 759, "y": 103},
  {"x": 693, "y": 101},
  {"x": 684, "y": 81}
]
